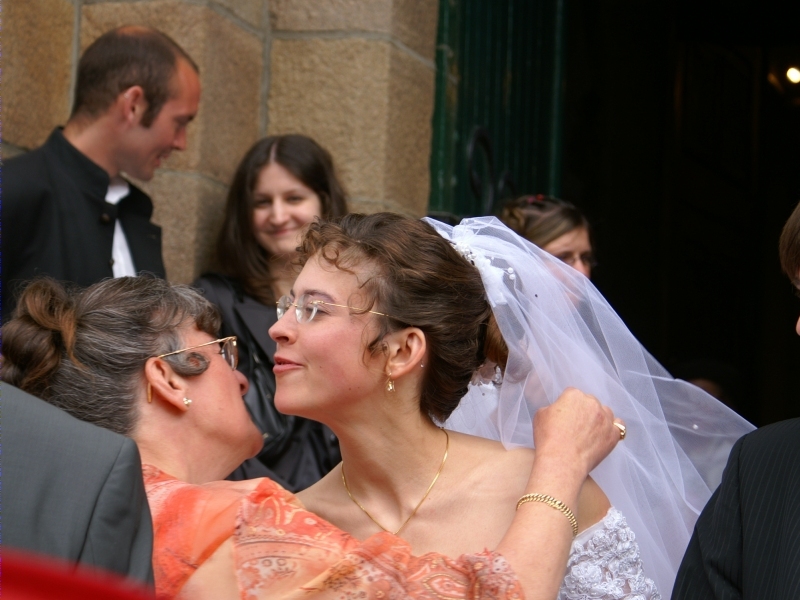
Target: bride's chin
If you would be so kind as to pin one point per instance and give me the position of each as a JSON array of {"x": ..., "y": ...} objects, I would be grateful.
[{"x": 287, "y": 407}]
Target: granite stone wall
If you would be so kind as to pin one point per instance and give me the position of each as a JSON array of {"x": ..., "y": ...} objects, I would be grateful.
[{"x": 357, "y": 75}]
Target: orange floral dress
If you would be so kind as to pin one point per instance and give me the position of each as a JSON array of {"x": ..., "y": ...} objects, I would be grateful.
[{"x": 283, "y": 551}]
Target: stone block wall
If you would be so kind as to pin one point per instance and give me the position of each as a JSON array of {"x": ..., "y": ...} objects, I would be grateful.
[{"x": 357, "y": 75}]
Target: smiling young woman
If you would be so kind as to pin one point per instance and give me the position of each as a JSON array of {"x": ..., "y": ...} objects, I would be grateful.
[
  {"x": 282, "y": 208},
  {"x": 355, "y": 362},
  {"x": 396, "y": 328},
  {"x": 282, "y": 184}
]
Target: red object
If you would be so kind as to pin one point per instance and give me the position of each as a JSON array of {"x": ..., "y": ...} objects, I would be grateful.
[
  {"x": 537, "y": 199},
  {"x": 25, "y": 576}
]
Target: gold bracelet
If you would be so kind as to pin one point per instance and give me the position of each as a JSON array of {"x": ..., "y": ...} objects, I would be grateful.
[{"x": 557, "y": 504}]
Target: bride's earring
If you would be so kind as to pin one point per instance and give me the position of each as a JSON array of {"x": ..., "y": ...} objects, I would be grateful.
[{"x": 390, "y": 383}]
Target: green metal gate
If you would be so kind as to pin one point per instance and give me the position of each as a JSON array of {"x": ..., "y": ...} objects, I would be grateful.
[{"x": 497, "y": 116}]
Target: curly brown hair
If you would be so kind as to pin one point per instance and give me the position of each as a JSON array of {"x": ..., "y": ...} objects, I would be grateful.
[{"x": 416, "y": 276}]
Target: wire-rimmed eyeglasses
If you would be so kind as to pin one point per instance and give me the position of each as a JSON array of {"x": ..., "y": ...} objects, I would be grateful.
[
  {"x": 305, "y": 309},
  {"x": 227, "y": 349}
]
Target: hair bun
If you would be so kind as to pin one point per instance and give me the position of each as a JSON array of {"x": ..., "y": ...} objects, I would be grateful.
[{"x": 42, "y": 328}]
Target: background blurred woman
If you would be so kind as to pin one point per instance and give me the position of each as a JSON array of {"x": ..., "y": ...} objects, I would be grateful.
[
  {"x": 281, "y": 185},
  {"x": 556, "y": 226}
]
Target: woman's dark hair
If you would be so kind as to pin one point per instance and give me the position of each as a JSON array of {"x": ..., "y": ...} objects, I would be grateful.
[
  {"x": 239, "y": 253},
  {"x": 85, "y": 350},
  {"x": 542, "y": 219},
  {"x": 416, "y": 276}
]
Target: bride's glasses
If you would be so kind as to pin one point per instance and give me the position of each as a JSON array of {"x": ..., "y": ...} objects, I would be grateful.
[
  {"x": 305, "y": 309},
  {"x": 227, "y": 349}
]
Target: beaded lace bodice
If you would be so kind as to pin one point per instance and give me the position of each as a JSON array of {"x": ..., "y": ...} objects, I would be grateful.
[{"x": 604, "y": 564}]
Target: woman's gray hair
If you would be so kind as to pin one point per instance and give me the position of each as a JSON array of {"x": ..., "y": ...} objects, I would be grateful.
[{"x": 85, "y": 350}]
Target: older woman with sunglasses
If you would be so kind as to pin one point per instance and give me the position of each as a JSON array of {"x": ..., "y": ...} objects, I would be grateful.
[{"x": 140, "y": 357}]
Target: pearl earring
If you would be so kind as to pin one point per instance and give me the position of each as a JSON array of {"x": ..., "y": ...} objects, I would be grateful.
[{"x": 187, "y": 401}]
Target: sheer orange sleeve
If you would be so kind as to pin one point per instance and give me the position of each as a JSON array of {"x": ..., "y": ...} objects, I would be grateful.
[{"x": 283, "y": 551}]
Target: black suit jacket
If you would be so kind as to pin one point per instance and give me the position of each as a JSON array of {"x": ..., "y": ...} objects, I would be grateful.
[
  {"x": 56, "y": 221},
  {"x": 72, "y": 490},
  {"x": 746, "y": 543}
]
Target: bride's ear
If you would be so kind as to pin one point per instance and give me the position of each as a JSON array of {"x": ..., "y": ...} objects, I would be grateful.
[
  {"x": 164, "y": 384},
  {"x": 405, "y": 351}
]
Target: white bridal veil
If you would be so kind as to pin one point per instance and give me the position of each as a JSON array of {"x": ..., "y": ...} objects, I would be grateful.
[{"x": 561, "y": 332}]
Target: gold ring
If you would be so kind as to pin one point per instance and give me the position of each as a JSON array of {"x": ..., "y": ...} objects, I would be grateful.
[{"x": 622, "y": 430}]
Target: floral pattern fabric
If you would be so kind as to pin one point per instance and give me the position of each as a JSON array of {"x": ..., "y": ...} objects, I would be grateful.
[{"x": 283, "y": 551}]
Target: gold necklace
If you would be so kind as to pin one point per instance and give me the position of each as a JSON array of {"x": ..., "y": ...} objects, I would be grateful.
[{"x": 428, "y": 491}]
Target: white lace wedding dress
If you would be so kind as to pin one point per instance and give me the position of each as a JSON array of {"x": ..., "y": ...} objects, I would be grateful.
[{"x": 604, "y": 564}]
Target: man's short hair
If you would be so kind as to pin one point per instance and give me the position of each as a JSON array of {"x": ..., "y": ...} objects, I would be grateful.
[
  {"x": 790, "y": 246},
  {"x": 124, "y": 57}
]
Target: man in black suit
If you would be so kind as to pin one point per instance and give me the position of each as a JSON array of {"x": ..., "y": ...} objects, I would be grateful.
[
  {"x": 72, "y": 490},
  {"x": 746, "y": 543},
  {"x": 68, "y": 212}
]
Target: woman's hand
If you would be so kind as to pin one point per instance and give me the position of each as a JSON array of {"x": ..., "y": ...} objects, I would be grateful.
[{"x": 575, "y": 430}]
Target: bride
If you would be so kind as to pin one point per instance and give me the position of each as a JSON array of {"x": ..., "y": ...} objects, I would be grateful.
[{"x": 390, "y": 320}]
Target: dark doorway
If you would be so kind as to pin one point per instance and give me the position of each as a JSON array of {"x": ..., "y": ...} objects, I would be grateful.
[{"x": 682, "y": 143}]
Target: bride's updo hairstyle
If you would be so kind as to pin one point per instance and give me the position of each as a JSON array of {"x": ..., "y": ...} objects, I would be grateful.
[
  {"x": 413, "y": 274},
  {"x": 85, "y": 350}
]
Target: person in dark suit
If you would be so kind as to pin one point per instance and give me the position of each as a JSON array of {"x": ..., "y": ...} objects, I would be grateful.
[
  {"x": 746, "y": 543},
  {"x": 72, "y": 490},
  {"x": 69, "y": 212}
]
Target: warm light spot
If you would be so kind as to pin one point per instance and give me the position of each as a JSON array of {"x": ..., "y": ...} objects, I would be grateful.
[{"x": 793, "y": 75}]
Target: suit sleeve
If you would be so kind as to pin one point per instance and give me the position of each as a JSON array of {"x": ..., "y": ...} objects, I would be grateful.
[
  {"x": 120, "y": 533},
  {"x": 712, "y": 565}
]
